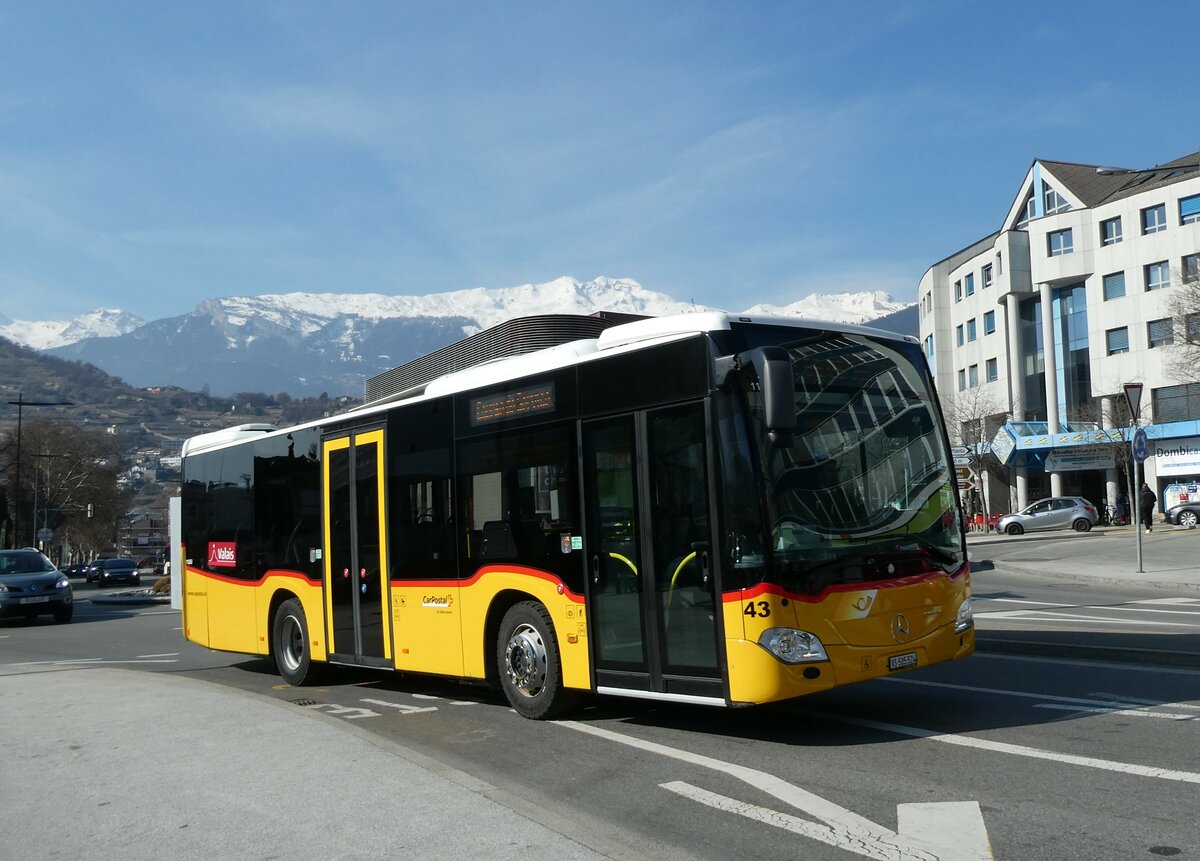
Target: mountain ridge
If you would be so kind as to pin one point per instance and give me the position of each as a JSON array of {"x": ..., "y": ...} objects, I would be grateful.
[{"x": 305, "y": 343}]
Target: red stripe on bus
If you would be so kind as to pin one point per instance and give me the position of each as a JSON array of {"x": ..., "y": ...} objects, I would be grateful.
[
  {"x": 772, "y": 589},
  {"x": 493, "y": 569},
  {"x": 274, "y": 572}
]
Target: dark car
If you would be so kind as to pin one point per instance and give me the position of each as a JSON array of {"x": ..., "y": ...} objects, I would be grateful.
[
  {"x": 1185, "y": 514},
  {"x": 30, "y": 585},
  {"x": 114, "y": 570},
  {"x": 89, "y": 569}
]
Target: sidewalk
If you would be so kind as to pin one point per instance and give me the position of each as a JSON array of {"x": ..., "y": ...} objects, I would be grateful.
[
  {"x": 109, "y": 763},
  {"x": 1114, "y": 568}
]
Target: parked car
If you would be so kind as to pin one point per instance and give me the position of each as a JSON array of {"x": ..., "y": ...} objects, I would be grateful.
[
  {"x": 30, "y": 585},
  {"x": 120, "y": 568},
  {"x": 1055, "y": 512},
  {"x": 1184, "y": 514}
]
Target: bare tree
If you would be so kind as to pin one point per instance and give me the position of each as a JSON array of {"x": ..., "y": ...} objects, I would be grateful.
[
  {"x": 973, "y": 416},
  {"x": 1185, "y": 312}
]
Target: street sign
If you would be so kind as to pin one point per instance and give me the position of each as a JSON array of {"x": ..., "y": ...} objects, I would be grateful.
[
  {"x": 1141, "y": 446},
  {"x": 1133, "y": 397},
  {"x": 965, "y": 483},
  {"x": 960, "y": 460},
  {"x": 962, "y": 473},
  {"x": 959, "y": 451},
  {"x": 45, "y": 534}
]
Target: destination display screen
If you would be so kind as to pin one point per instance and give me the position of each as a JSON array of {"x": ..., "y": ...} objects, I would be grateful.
[{"x": 518, "y": 403}]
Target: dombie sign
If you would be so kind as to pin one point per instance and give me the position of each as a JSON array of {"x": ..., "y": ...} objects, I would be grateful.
[
  {"x": 1177, "y": 456},
  {"x": 222, "y": 554}
]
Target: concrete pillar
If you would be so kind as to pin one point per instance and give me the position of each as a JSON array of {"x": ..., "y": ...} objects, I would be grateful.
[
  {"x": 1022, "y": 474},
  {"x": 1050, "y": 362},
  {"x": 1016, "y": 375},
  {"x": 1108, "y": 411}
]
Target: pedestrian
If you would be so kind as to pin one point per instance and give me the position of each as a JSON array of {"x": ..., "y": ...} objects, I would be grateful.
[
  {"x": 1122, "y": 508},
  {"x": 1148, "y": 500}
]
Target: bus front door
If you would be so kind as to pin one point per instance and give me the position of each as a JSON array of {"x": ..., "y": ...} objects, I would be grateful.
[
  {"x": 652, "y": 591},
  {"x": 357, "y": 609}
]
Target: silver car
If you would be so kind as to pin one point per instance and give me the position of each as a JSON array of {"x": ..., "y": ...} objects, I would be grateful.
[{"x": 1056, "y": 512}]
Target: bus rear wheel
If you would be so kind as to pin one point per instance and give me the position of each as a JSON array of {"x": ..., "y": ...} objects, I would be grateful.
[
  {"x": 527, "y": 661},
  {"x": 289, "y": 644}
]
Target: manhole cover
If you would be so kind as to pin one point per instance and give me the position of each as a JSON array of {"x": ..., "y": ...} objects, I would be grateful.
[{"x": 305, "y": 702}]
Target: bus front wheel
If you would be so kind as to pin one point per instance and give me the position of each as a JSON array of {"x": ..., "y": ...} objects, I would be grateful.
[
  {"x": 528, "y": 664},
  {"x": 289, "y": 644}
]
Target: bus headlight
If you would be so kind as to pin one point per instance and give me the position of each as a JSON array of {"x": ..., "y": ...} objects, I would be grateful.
[
  {"x": 965, "y": 618},
  {"x": 792, "y": 646}
]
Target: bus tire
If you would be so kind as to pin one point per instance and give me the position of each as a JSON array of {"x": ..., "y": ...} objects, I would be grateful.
[
  {"x": 289, "y": 644},
  {"x": 527, "y": 662}
]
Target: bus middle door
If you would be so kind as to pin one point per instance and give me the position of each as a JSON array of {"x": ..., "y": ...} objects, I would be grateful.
[
  {"x": 357, "y": 610},
  {"x": 652, "y": 595}
]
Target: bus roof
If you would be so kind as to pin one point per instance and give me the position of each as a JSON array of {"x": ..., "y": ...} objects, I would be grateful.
[{"x": 615, "y": 339}]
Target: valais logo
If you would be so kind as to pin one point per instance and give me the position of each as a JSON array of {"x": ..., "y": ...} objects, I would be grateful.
[{"x": 222, "y": 554}]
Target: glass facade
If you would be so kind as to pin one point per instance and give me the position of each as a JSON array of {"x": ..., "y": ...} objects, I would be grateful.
[
  {"x": 1072, "y": 354},
  {"x": 1033, "y": 361}
]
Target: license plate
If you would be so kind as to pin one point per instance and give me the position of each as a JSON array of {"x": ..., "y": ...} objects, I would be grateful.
[
  {"x": 40, "y": 599},
  {"x": 902, "y": 662}
]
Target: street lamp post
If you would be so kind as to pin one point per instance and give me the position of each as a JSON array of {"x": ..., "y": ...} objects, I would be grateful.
[{"x": 20, "y": 403}]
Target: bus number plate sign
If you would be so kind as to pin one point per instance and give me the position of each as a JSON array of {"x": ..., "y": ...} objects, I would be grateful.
[{"x": 902, "y": 662}]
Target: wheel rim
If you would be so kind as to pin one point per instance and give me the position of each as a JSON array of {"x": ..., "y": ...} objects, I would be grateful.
[
  {"x": 1188, "y": 518},
  {"x": 525, "y": 660},
  {"x": 291, "y": 643}
]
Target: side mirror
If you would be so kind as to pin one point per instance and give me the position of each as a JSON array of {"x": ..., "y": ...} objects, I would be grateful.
[{"x": 773, "y": 367}]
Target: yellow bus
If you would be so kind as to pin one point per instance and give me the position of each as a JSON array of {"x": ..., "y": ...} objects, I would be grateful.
[{"x": 703, "y": 508}]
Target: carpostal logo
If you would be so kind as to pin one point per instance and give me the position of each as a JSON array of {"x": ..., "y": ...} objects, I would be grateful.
[
  {"x": 222, "y": 554},
  {"x": 444, "y": 601}
]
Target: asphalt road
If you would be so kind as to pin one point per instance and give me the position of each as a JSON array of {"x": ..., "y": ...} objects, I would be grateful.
[{"x": 1034, "y": 756}]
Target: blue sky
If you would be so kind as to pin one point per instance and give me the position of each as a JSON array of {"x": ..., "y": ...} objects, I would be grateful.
[{"x": 153, "y": 155}]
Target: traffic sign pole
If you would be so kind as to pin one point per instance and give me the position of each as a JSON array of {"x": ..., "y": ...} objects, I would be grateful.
[{"x": 1140, "y": 448}]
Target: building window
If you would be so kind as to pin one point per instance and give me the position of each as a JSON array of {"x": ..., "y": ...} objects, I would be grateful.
[
  {"x": 971, "y": 329},
  {"x": 958, "y": 334},
  {"x": 973, "y": 376},
  {"x": 1154, "y": 218},
  {"x": 986, "y": 276},
  {"x": 1176, "y": 403},
  {"x": 1110, "y": 231},
  {"x": 1159, "y": 333},
  {"x": 1055, "y": 202},
  {"x": 929, "y": 347},
  {"x": 1059, "y": 242},
  {"x": 1114, "y": 286},
  {"x": 989, "y": 322},
  {"x": 1158, "y": 275},
  {"x": 957, "y": 291},
  {"x": 970, "y": 283},
  {"x": 991, "y": 370},
  {"x": 1189, "y": 209},
  {"x": 1193, "y": 328},
  {"x": 1189, "y": 267},
  {"x": 1117, "y": 340},
  {"x": 962, "y": 379}
]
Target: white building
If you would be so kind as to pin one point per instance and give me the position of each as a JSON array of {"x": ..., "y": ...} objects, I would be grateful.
[{"x": 1045, "y": 320}]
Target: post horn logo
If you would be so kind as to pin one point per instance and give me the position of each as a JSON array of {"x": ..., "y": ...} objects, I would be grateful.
[{"x": 900, "y": 629}]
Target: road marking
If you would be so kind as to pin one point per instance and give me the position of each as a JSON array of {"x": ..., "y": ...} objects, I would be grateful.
[
  {"x": 1117, "y": 700},
  {"x": 1109, "y": 666},
  {"x": 400, "y": 707},
  {"x": 163, "y": 655},
  {"x": 1111, "y": 711},
  {"x": 1048, "y": 616},
  {"x": 1187, "y": 706},
  {"x": 1014, "y": 749},
  {"x": 348, "y": 712},
  {"x": 1191, "y": 605},
  {"x": 1186, "y": 601},
  {"x": 850, "y": 831}
]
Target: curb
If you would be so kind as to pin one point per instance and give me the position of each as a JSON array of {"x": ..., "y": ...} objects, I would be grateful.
[{"x": 143, "y": 596}]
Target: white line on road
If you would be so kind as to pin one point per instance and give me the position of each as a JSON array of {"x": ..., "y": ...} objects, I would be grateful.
[
  {"x": 1049, "y": 616},
  {"x": 163, "y": 655},
  {"x": 1110, "y": 711},
  {"x": 400, "y": 707},
  {"x": 1109, "y": 666},
  {"x": 1014, "y": 749},
  {"x": 853, "y": 832},
  {"x": 1117, "y": 701},
  {"x": 1145, "y": 702},
  {"x": 1192, "y": 605}
]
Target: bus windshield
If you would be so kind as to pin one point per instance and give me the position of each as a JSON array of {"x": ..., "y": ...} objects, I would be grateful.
[{"x": 864, "y": 492}]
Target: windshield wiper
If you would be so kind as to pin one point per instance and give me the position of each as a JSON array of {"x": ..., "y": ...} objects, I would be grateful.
[{"x": 924, "y": 544}]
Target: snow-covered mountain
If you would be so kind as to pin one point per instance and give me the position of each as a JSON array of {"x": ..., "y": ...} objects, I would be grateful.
[
  {"x": 45, "y": 334},
  {"x": 837, "y": 307},
  {"x": 306, "y": 343}
]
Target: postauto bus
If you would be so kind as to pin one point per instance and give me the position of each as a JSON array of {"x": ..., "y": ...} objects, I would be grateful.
[{"x": 701, "y": 508}]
